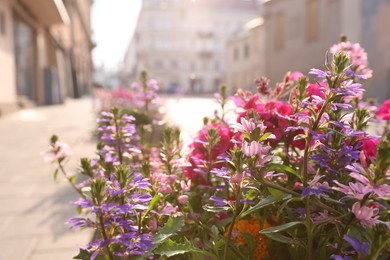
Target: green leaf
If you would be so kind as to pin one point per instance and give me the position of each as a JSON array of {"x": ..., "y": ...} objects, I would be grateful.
[
  {"x": 283, "y": 168},
  {"x": 280, "y": 227},
  {"x": 265, "y": 136},
  {"x": 170, "y": 228},
  {"x": 72, "y": 179},
  {"x": 255, "y": 134},
  {"x": 246, "y": 136},
  {"x": 83, "y": 254},
  {"x": 55, "y": 174},
  {"x": 280, "y": 238},
  {"x": 171, "y": 248},
  {"x": 151, "y": 206},
  {"x": 264, "y": 203},
  {"x": 215, "y": 230},
  {"x": 277, "y": 194}
]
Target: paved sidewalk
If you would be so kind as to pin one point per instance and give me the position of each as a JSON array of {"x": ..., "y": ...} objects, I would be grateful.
[{"x": 33, "y": 207}]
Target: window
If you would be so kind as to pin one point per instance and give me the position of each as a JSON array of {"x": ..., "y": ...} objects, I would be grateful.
[
  {"x": 312, "y": 20},
  {"x": 216, "y": 66},
  {"x": 246, "y": 51},
  {"x": 279, "y": 30},
  {"x": 174, "y": 64},
  {"x": 235, "y": 54},
  {"x": 158, "y": 64}
]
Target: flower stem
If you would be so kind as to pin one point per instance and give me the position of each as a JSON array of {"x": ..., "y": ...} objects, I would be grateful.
[
  {"x": 104, "y": 234},
  {"x": 309, "y": 230},
  {"x": 235, "y": 214},
  {"x": 70, "y": 181}
]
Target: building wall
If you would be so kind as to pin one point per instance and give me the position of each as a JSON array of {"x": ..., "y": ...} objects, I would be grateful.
[
  {"x": 376, "y": 41},
  {"x": 7, "y": 79},
  {"x": 183, "y": 44},
  {"x": 290, "y": 46},
  {"x": 300, "y": 32},
  {"x": 245, "y": 57},
  {"x": 42, "y": 70}
]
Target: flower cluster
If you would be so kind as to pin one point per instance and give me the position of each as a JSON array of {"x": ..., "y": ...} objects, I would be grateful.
[{"x": 294, "y": 173}]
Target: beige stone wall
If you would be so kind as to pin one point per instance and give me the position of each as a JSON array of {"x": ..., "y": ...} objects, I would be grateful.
[
  {"x": 291, "y": 43},
  {"x": 245, "y": 58},
  {"x": 7, "y": 78},
  {"x": 380, "y": 87},
  {"x": 184, "y": 45}
]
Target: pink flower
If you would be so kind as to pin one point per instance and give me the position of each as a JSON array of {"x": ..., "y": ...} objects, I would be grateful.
[
  {"x": 246, "y": 126},
  {"x": 250, "y": 149},
  {"x": 183, "y": 199},
  {"x": 294, "y": 76},
  {"x": 152, "y": 226},
  {"x": 169, "y": 210},
  {"x": 185, "y": 186},
  {"x": 58, "y": 151},
  {"x": 366, "y": 215},
  {"x": 384, "y": 112},
  {"x": 358, "y": 57},
  {"x": 237, "y": 178}
]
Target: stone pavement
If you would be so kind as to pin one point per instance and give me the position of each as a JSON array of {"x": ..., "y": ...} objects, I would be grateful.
[{"x": 33, "y": 207}]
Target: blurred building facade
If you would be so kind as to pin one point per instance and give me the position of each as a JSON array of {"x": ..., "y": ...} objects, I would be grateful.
[
  {"x": 182, "y": 42},
  {"x": 244, "y": 56},
  {"x": 299, "y": 32},
  {"x": 45, "y": 51}
]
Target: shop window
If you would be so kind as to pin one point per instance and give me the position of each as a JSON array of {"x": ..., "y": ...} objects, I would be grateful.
[
  {"x": 235, "y": 54},
  {"x": 2, "y": 23},
  {"x": 246, "y": 51},
  {"x": 24, "y": 40}
]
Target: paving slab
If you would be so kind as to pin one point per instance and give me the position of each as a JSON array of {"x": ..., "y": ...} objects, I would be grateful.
[{"x": 34, "y": 207}]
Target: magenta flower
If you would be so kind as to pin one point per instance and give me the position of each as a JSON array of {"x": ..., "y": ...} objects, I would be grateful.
[
  {"x": 384, "y": 111},
  {"x": 368, "y": 216}
]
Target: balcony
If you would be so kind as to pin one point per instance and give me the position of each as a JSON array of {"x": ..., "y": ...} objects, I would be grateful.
[{"x": 47, "y": 12}]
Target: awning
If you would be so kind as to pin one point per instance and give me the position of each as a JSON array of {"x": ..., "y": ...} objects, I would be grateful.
[{"x": 47, "y": 12}]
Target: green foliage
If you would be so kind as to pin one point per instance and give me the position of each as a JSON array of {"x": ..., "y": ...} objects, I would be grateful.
[{"x": 171, "y": 227}]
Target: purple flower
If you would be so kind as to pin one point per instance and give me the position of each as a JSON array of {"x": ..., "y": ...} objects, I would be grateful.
[
  {"x": 338, "y": 257},
  {"x": 360, "y": 247},
  {"x": 320, "y": 73},
  {"x": 219, "y": 202},
  {"x": 79, "y": 223},
  {"x": 134, "y": 244},
  {"x": 315, "y": 187},
  {"x": 83, "y": 203},
  {"x": 349, "y": 88},
  {"x": 95, "y": 247},
  {"x": 363, "y": 186},
  {"x": 222, "y": 173}
]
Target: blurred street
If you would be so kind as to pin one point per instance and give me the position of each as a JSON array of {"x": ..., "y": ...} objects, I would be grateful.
[
  {"x": 187, "y": 113},
  {"x": 34, "y": 207}
]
